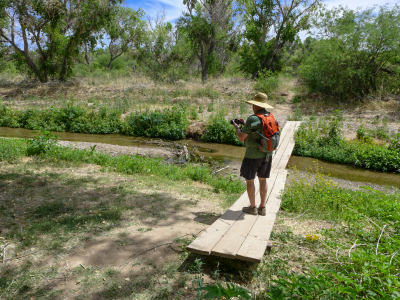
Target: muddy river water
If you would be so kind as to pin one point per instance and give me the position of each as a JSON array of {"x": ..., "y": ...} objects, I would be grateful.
[{"x": 225, "y": 154}]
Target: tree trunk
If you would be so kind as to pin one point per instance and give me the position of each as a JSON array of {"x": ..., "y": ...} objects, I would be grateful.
[
  {"x": 86, "y": 55},
  {"x": 110, "y": 63}
]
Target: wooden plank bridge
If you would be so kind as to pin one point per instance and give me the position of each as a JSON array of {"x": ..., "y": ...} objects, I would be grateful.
[{"x": 238, "y": 235}]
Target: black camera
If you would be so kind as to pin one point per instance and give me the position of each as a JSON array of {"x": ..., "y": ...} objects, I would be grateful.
[{"x": 238, "y": 121}]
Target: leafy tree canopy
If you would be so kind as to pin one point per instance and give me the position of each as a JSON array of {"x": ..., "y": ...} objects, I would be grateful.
[
  {"x": 47, "y": 34},
  {"x": 357, "y": 52},
  {"x": 269, "y": 26}
]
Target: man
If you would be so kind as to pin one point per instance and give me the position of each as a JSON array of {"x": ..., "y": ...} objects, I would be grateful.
[{"x": 255, "y": 161}]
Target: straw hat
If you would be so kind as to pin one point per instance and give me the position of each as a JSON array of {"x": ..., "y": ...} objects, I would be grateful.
[{"x": 260, "y": 99}]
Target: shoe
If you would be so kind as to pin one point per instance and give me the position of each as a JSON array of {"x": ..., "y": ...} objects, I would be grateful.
[
  {"x": 250, "y": 210},
  {"x": 262, "y": 211}
]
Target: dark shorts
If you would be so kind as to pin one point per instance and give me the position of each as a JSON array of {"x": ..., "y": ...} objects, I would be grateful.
[{"x": 251, "y": 167}]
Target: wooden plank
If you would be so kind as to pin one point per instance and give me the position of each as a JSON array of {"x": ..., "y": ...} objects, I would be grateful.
[
  {"x": 206, "y": 241},
  {"x": 255, "y": 244},
  {"x": 252, "y": 250},
  {"x": 262, "y": 228},
  {"x": 274, "y": 201},
  {"x": 280, "y": 155},
  {"x": 233, "y": 239},
  {"x": 287, "y": 152}
]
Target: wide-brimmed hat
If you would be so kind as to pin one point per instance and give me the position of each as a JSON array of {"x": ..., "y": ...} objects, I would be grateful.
[{"x": 260, "y": 99}]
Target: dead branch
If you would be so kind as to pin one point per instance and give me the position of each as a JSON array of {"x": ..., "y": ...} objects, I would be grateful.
[
  {"x": 4, "y": 252},
  {"x": 221, "y": 169},
  {"x": 337, "y": 251},
  {"x": 355, "y": 245},
  {"x": 393, "y": 255},
  {"x": 297, "y": 216},
  {"x": 377, "y": 244}
]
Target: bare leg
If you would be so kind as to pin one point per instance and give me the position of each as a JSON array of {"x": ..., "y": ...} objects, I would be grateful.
[
  {"x": 251, "y": 192},
  {"x": 263, "y": 191}
]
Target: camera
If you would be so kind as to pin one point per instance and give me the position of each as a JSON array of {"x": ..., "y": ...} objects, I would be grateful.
[{"x": 237, "y": 121}]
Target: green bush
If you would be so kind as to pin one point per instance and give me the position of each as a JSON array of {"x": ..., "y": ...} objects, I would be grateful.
[
  {"x": 326, "y": 142},
  {"x": 11, "y": 150},
  {"x": 395, "y": 143},
  {"x": 41, "y": 144},
  {"x": 169, "y": 123},
  {"x": 220, "y": 131},
  {"x": 348, "y": 61},
  {"x": 9, "y": 117},
  {"x": 103, "y": 122},
  {"x": 266, "y": 82},
  {"x": 71, "y": 119}
]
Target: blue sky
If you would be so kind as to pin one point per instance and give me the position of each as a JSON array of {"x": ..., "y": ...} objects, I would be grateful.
[{"x": 174, "y": 8}]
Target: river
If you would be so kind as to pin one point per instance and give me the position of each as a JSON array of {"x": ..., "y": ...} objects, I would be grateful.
[{"x": 226, "y": 154}]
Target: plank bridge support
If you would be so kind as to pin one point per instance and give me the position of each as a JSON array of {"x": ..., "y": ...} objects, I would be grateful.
[{"x": 238, "y": 235}]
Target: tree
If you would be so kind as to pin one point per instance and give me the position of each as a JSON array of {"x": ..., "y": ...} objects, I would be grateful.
[
  {"x": 47, "y": 34},
  {"x": 269, "y": 26},
  {"x": 357, "y": 52},
  {"x": 210, "y": 30},
  {"x": 165, "y": 49},
  {"x": 125, "y": 31}
]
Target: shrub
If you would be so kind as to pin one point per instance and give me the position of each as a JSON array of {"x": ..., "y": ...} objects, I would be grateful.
[
  {"x": 220, "y": 131},
  {"x": 11, "y": 150},
  {"x": 170, "y": 124},
  {"x": 41, "y": 144},
  {"x": 395, "y": 143},
  {"x": 347, "y": 61},
  {"x": 266, "y": 82},
  {"x": 325, "y": 141},
  {"x": 9, "y": 117}
]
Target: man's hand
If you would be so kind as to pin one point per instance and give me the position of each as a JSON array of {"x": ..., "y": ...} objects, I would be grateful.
[
  {"x": 242, "y": 136},
  {"x": 236, "y": 125}
]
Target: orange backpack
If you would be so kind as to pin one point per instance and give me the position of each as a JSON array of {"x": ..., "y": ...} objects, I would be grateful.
[{"x": 270, "y": 139}]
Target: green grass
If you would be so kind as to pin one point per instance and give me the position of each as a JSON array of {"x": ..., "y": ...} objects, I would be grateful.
[
  {"x": 355, "y": 257},
  {"x": 124, "y": 163}
]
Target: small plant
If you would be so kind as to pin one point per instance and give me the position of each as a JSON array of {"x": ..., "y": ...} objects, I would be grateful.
[
  {"x": 395, "y": 143},
  {"x": 216, "y": 291},
  {"x": 198, "y": 279},
  {"x": 297, "y": 116},
  {"x": 220, "y": 131},
  {"x": 42, "y": 144},
  {"x": 363, "y": 134}
]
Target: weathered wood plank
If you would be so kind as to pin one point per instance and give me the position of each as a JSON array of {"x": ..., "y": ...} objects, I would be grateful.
[
  {"x": 252, "y": 250},
  {"x": 226, "y": 247},
  {"x": 230, "y": 243},
  {"x": 262, "y": 228},
  {"x": 274, "y": 201},
  {"x": 206, "y": 241}
]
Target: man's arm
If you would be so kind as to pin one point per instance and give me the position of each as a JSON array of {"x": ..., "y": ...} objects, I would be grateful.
[{"x": 241, "y": 135}]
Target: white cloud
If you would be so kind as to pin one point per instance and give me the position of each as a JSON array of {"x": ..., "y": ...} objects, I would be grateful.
[
  {"x": 173, "y": 9},
  {"x": 354, "y": 4}
]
